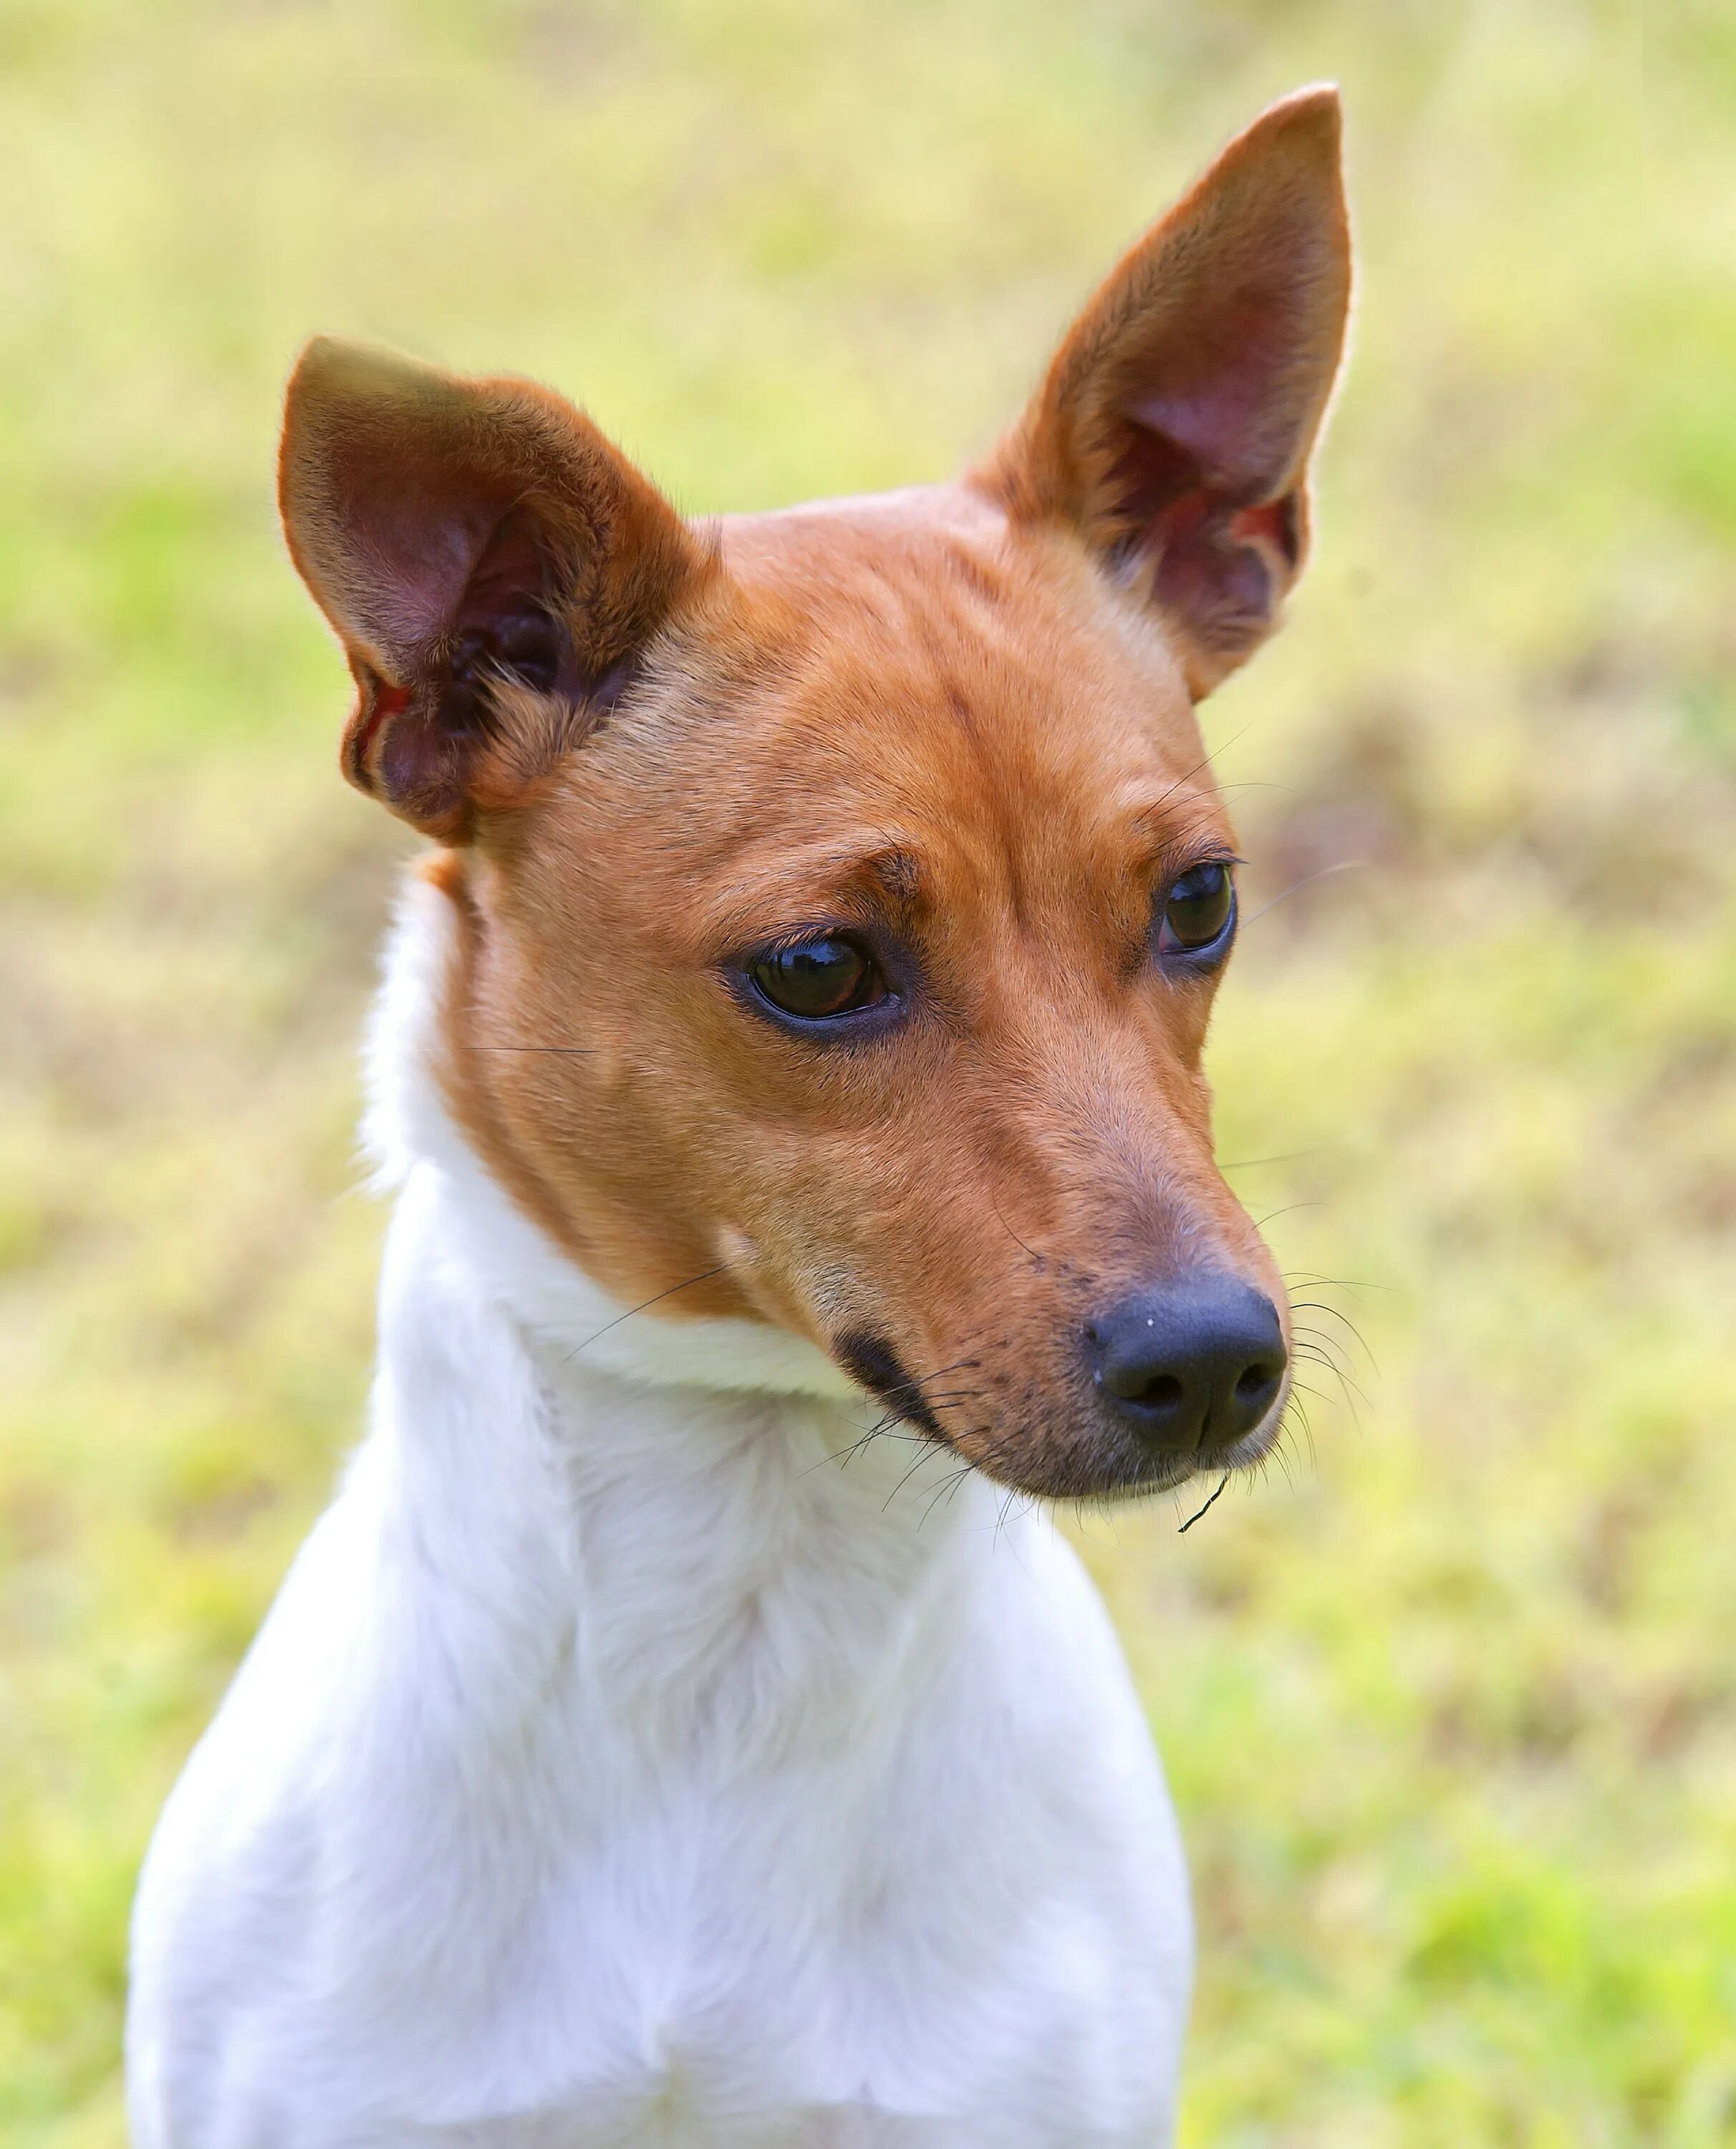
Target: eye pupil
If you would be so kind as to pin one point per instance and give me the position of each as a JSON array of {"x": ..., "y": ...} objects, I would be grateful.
[
  {"x": 1198, "y": 908},
  {"x": 815, "y": 979}
]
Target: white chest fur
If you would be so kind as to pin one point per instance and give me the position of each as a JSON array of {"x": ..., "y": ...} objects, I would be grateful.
[{"x": 616, "y": 1766}]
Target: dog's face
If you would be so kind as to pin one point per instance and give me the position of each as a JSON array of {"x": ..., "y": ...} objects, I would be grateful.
[{"x": 843, "y": 891}]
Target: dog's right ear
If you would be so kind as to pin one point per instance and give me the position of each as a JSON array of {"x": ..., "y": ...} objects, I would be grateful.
[{"x": 492, "y": 564}]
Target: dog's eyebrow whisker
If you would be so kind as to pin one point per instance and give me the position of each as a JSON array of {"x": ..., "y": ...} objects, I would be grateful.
[
  {"x": 1249, "y": 1163},
  {"x": 656, "y": 1299},
  {"x": 1204, "y": 761},
  {"x": 1321, "y": 873},
  {"x": 559, "y": 1051}
]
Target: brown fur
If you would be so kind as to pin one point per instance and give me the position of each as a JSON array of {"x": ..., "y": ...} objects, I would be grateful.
[{"x": 959, "y": 721}]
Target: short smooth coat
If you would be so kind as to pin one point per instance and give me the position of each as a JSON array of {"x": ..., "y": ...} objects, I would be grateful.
[
  {"x": 617, "y": 1768},
  {"x": 639, "y": 1752}
]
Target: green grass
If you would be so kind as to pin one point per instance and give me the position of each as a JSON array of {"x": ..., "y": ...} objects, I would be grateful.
[{"x": 1449, "y": 1700}]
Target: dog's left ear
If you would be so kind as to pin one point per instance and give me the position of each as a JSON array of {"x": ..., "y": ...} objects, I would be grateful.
[
  {"x": 1175, "y": 425},
  {"x": 493, "y": 567}
]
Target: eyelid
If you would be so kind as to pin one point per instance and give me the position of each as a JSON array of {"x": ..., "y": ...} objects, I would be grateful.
[
  {"x": 896, "y": 967},
  {"x": 811, "y": 930},
  {"x": 1208, "y": 954}
]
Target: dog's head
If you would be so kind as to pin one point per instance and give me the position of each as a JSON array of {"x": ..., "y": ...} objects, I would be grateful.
[{"x": 844, "y": 890}]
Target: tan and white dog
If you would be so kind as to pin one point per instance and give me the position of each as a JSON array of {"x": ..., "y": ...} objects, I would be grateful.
[{"x": 794, "y": 1039}]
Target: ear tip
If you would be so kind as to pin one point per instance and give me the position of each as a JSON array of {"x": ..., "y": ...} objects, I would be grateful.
[
  {"x": 320, "y": 358},
  {"x": 1309, "y": 125},
  {"x": 331, "y": 370}
]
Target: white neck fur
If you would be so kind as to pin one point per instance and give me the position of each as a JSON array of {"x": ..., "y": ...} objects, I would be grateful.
[{"x": 688, "y": 1505}]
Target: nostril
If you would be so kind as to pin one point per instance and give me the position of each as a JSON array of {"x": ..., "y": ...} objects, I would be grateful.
[{"x": 1195, "y": 1364}]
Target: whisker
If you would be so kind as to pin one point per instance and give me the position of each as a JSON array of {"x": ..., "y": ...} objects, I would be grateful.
[
  {"x": 927, "y": 1449},
  {"x": 1332, "y": 1313},
  {"x": 1343, "y": 865},
  {"x": 1012, "y": 1233},
  {"x": 1349, "y": 1386},
  {"x": 1207, "y": 1508},
  {"x": 656, "y": 1299},
  {"x": 1261, "y": 1222},
  {"x": 949, "y": 1485},
  {"x": 1205, "y": 762},
  {"x": 1333, "y": 1283},
  {"x": 1290, "y": 1156}
]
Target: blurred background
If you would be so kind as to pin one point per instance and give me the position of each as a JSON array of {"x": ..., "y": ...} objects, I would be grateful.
[{"x": 1448, "y": 1697}]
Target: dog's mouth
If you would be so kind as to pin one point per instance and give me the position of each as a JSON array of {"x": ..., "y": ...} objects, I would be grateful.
[
  {"x": 1069, "y": 1448},
  {"x": 872, "y": 1362}
]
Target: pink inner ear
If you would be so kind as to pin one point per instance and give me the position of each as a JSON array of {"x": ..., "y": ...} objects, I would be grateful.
[
  {"x": 1207, "y": 572},
  {"x": 418, "y": 525},
  {"x": 1220, "y": 395},
  {"x": 1197, "y": 458}
]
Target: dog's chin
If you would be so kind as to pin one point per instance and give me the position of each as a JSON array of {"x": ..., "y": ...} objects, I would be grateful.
[{"x": 1113, "y": 1472}]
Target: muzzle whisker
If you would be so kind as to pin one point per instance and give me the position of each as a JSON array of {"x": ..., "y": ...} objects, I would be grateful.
[
  {"x": 928, "y": 1448},
  {"x": 1289, "y": 1209},
  {"x": 1313, "y": 1350},
  {"x": 1041, "y": 1260},
  {"x": 1313, "y": 1279},
  {"x": 1319, "y": 1306}
]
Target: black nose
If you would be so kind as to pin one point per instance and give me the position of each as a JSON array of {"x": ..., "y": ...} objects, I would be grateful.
[{"x": 1195, "y": 1364}]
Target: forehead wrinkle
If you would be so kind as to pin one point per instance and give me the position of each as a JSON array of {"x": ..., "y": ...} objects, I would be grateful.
[{"x": 1010, "y": 779}]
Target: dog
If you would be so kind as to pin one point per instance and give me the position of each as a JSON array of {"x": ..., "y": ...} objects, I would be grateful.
[{"x": 679, "y": 1730}]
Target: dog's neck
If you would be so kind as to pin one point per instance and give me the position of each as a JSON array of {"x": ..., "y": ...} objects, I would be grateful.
[{"x": 679, "y": 1525}]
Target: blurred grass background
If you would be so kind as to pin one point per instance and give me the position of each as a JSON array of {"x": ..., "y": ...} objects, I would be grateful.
[{"x": 1449, "y": 1702}]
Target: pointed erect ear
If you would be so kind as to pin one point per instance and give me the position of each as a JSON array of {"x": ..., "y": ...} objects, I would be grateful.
[
  {"x": 1175, "y": 425},
  {"x": 492, "y": 566}
]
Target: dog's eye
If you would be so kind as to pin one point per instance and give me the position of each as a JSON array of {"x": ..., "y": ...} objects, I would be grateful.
[
  {"x": 830, "y": 975},
  {"x": 1198, "y": 911}
]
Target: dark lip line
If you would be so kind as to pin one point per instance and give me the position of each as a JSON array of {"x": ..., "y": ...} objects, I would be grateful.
[{"x": 872, "y": 1363}]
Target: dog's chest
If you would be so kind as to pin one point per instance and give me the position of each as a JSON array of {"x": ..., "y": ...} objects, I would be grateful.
[
  {"x": 722, "y": 1978},
  {"x": 636, "y": 1775}
]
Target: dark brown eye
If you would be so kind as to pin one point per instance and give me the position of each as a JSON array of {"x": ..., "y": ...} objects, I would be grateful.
[
  {"x": 1198, "y": 912},
  {"x": 815, "y": 979}
]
